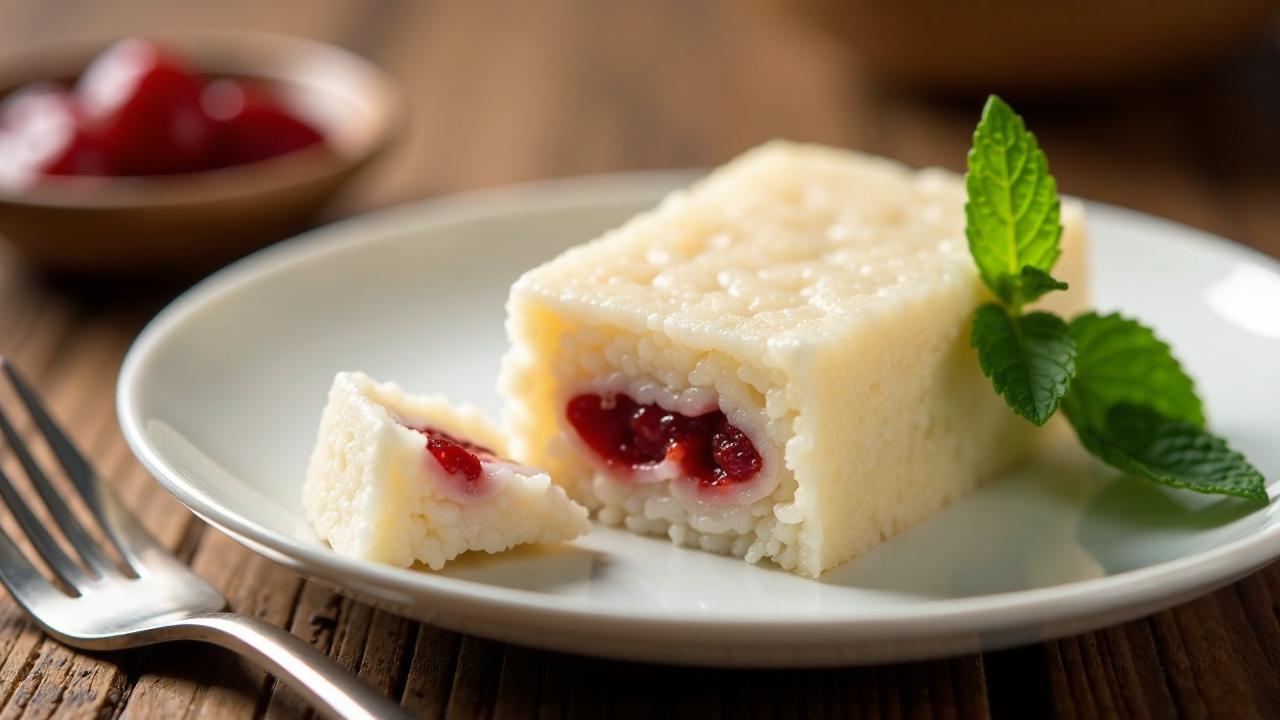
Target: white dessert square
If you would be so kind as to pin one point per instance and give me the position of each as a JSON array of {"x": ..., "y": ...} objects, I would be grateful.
[
  {"x": 815, "y": 302},
  {"x": 397, "y": 478}
]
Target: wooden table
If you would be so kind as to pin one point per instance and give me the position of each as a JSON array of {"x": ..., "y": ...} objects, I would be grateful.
[{"x": 504, "y": 92}]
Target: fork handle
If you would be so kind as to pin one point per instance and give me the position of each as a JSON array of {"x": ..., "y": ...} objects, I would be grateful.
[{"x": 334, "y": 690}]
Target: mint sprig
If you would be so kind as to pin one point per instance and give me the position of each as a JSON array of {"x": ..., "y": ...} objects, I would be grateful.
[
  {"x": 1123, "y": 391},
  {"x": 1011, "y": 221}
]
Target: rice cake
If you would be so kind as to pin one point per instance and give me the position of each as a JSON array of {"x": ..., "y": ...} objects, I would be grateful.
[
  {"x": 772, "y": 364},
  {"x": 397, "y": 478}
]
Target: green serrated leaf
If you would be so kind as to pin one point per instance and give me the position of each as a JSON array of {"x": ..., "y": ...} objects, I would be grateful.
[
  {"x": 1033, "y": 283},
  {"x": 1030, "y": 359},
  {"x": 1142, "y": 442},
  {"x": 1121, "y": 361},
  {"x": 1012, "y": 212}
]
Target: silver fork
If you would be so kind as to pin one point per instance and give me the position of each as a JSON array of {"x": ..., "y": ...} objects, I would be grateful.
[{"x": 153, "y": 597}]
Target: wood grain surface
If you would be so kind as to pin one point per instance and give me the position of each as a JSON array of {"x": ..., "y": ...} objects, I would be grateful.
[{"x": 510, "y": 91}]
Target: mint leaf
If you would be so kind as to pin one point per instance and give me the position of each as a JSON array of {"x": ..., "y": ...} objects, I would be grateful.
[
  {"x": 1011, "y": 216},
  {"x": 1142, "y": 442},
  {"x": 1121, "y": 361},
  {"x": 1029, "y": 358},
  {"x": 1134, "y": 407},
  {"x": 1034, "y": 282}
]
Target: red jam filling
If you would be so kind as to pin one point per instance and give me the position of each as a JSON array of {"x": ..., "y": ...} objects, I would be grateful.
[
  {"x": 630, "y": 436},
  {"x": 457, "y": 457}
]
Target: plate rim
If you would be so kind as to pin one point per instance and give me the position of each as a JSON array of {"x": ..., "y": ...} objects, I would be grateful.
[{"x": 1061, "y": 603}]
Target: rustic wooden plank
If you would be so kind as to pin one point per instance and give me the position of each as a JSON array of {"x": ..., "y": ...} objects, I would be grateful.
[
  {"x": 1208, "y": 670},
  {"x": 958, "y": 688},
  {"x": 23, "y": 650},
  {"x": 350, "y": 632},
  {"x": 96, "y": 691},
  {"x": 519, "y": 687},
  {"x": 1134, "y": 681},
  {"x": 1258, "y": 667},
  {"x": 475, "y": 679},
  {"x": 1176, "y": 655},
  {"x": 1087, "y": 681},
  {"x": 1258, "y": 612},
  {"x": 384, "y": 663},
  {"x": 41, "y": 687},
  {"x": 1227, "y": 657},
  {"x": 172, "y": 692},
  {"x": 430, "y": 679}
]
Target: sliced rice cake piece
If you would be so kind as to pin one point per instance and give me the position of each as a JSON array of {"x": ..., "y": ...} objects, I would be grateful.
[
  {"x": 398, "y": 478},
  {"x": 772, "y": 364}
]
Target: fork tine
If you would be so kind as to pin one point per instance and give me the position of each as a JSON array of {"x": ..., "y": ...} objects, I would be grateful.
[
  {"x": 44, "y": 544},
  {"x": 24, "y": 582},
  {"x": 74, "y": 532},
  {"x": 130, "y": 539}
]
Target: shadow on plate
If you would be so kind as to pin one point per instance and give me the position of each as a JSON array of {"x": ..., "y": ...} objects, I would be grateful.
[
  {"x": 1063, "y": 518},
  {"x": 1132, "y": 523},
  {"x": 537, "y": 568}
]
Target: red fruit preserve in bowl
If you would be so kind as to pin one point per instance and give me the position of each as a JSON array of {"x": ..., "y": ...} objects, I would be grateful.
[
  {"x": 180, "y": 153},
  {"x": 140, "y": 109}
]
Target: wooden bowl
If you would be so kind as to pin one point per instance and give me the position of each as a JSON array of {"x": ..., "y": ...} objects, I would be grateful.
[{"x": 195, "y": 222}]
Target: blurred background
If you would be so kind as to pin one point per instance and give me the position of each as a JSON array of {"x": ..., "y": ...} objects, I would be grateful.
[{"x": 1172, "y": 108}]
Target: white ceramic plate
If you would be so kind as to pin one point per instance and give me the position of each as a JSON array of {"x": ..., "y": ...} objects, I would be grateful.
[{"x": 221, "y": 394}]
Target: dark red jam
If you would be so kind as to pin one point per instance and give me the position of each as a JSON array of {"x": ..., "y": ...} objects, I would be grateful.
[
  {"x": 457, "y": 457},
  {"x": 138, "y": 109},
  {"x": 630, "y": 436}
]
